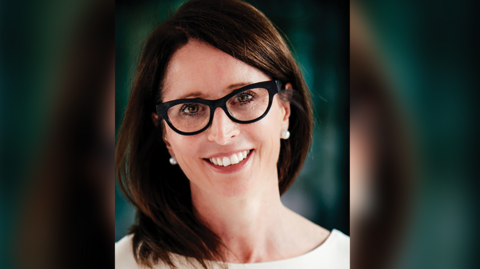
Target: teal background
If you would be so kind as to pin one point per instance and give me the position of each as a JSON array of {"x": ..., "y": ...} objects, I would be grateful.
[
  {"x": 318, "y": 34},
  {"x": 430, "y": 50}
]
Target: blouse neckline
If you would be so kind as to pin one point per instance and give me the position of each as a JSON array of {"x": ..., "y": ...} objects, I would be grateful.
[{"x": 312, "y": 252}]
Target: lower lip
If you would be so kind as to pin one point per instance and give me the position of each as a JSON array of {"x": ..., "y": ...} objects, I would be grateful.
[{"x": 231, "y": 168}]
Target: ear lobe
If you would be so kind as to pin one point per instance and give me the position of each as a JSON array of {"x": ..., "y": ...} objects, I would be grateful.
[
  {"x": 164, "y": 138},
  {"x": 286, "y": 107},
  {"x": 169, "y": 147}
]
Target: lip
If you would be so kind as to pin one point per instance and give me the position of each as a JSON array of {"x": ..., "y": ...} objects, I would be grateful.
[{"x": 231, "y": 168}]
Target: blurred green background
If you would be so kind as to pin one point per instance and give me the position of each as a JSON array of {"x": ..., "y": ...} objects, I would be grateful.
[
  {"x": 318, "y": 33},
  {"x": 430, "y": 50}
]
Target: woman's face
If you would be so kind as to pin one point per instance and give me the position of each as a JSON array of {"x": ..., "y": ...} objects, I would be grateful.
[{"x": 198, "y": 70}]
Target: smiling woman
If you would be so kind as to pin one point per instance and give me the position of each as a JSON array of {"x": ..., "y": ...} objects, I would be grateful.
[{"x": 217, "y": 128}]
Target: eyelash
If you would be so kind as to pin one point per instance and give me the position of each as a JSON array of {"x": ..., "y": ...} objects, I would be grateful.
[
  {"x": 182, "y": 109},
  {"x": 251, "y": 93}
]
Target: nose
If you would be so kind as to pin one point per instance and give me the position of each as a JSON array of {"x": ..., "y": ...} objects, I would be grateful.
[{"x": 222, "y": 129}]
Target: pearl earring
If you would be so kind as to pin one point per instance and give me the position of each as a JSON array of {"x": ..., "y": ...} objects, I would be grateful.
[
  {"x": 285, "y": 134},
  {"x": 173, "y": 161}
]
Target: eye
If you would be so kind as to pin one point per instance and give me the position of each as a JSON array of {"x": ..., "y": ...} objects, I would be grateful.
[
  {"x": 243, "y": 97},
  {"x": 191, "y": 109}
]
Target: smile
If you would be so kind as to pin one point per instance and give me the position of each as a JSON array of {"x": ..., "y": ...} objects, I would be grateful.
[{"x": 231, "y": 160}]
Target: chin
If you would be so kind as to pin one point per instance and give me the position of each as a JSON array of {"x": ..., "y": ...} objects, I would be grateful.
[{"x": 235, "y": 187}]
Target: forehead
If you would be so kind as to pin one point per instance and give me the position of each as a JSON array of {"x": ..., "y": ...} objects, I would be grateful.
[{"x": 200, "y": 68}]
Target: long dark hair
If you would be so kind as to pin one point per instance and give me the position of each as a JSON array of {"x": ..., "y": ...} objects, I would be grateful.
[{"x": 165, "y": 222}]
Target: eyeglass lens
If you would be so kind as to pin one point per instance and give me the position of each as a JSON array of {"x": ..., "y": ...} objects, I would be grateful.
[{"x": 245, "y": 106}]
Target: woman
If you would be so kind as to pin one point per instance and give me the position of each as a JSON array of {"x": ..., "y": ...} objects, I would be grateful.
[{"x": 217, "y": 127}]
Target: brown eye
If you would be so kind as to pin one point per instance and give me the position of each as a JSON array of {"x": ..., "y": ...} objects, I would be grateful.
[
  {"x": 192, "y": 109},
  {"x": 242, "y": 98}
]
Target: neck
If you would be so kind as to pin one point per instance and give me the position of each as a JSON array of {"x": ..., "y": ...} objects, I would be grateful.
[{"x": 250, "y": 225}]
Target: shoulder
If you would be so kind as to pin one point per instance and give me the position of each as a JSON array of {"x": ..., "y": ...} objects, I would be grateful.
[
  {"x": 333, "y": 253},
  {"x": 324, "y": 248},
  {"x": 340, "y": 241},
  {"x": 124, "y": 253},
  {"x": 336, "y": 249},
  {"x": 124, "y": 258}
]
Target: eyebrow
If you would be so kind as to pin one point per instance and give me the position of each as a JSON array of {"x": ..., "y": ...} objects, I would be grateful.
[{"x": 200, "y": 94}]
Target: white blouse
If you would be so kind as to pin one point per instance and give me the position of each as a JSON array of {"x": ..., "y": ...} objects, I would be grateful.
[{"x": 333, "y": 253}]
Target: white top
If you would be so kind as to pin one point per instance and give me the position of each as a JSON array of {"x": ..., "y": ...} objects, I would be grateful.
[{"x": 333, "y": 253}]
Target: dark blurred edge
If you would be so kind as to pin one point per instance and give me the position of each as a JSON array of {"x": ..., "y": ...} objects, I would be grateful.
[
  {"x": 430, "y": 48},
  {"x": 56, "y": 162}
]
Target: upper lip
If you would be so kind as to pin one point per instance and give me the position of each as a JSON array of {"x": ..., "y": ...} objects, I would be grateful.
[{"x": 226, "y": 154}]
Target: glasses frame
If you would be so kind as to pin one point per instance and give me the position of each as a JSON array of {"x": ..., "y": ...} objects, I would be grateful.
[{"x": 273, "y": 87}]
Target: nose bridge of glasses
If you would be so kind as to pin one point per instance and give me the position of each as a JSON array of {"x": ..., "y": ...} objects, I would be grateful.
[
  {"x": 220, "y": 116},
  {"x": 222, "y": 104},
  {"x": 222, "y": 125}
]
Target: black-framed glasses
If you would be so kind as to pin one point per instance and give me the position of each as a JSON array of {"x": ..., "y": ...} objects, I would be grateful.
[{"x": 245, "y": 105}]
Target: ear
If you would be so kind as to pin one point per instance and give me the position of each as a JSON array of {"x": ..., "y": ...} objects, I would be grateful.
[
  {"x": 156, "y": 122},
  {"x": 285, "y": 108},
  {"x": 155, "y": 119}
]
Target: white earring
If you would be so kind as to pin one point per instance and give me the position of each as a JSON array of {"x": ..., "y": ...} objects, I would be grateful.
[
  {"x": 285, "y": 134},
  {"x": 173, "y": 161}
]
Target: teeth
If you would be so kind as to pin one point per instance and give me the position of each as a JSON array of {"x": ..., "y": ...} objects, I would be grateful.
[
  {"x": 226, "y": 161},
  {"x": 234, "y": 159}
]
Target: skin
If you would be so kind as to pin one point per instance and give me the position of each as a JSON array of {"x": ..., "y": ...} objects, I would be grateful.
[{"x": 243, "y": 208}]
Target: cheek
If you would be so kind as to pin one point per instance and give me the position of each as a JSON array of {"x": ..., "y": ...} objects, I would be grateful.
[
  {"x": 266, "y": 133},
  {"x": 184, "y": 147}
]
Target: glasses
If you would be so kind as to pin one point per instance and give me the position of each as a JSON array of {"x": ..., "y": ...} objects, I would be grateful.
[{"x": 245, "y": 105}]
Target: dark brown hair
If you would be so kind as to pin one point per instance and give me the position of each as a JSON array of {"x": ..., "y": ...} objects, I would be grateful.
[{"x": 165, "y": 222}]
